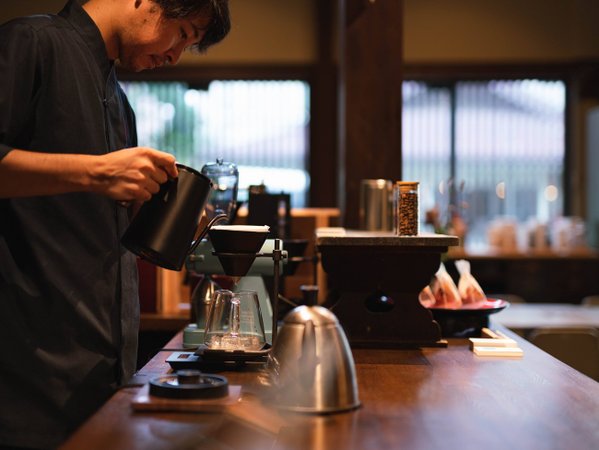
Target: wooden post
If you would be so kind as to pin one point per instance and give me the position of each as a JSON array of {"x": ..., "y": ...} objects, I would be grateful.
[{"x": 370, "y": 45}]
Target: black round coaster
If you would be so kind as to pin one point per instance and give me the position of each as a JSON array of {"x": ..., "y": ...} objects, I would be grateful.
[{"x": 185, "y": 384}]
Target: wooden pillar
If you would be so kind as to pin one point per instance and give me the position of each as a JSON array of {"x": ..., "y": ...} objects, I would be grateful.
[
  {"x": 370, "y": 78},
  {"x": 324, "y": 120}
]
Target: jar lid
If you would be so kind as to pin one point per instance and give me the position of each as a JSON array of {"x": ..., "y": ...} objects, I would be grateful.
[
  {"x": 220, "y": 168},
  {"x": 406, "y": 186}
]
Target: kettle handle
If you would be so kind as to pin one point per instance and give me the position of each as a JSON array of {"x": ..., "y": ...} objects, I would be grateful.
[
  {"x": 308, "y": 360},
  {"x": 195, "y": 243}
]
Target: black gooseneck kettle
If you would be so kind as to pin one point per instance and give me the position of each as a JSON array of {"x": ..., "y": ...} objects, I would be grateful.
[{"x": 163, "y": 230}]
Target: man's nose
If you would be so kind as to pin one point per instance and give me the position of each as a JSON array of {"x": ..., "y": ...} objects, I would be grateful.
[{"x": 175, "y": 52}]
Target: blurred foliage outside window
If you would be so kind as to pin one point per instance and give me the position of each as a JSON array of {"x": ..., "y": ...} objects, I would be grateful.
[
  {"x": 484, "y": 150},
  {"x": 261, "y": 126}
]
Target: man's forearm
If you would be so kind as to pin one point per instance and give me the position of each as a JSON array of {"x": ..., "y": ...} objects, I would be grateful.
[
  {"x": 25, "y": 173},
  {"x": 131, "y": 174}
]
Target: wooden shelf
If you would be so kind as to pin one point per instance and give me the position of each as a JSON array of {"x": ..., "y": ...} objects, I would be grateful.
[
  {"x": 578, "y": 253},
  {"x": 537, "y": 277}
]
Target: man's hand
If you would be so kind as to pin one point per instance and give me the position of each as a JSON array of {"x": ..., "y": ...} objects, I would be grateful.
[{"x": 133, "y": 174}]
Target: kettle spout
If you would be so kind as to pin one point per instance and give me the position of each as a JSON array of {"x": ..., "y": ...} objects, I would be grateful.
[{"x": 213, "y": 222}]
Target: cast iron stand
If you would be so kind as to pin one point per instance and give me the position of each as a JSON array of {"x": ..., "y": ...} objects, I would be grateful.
[{"x": 277, "y": 256}]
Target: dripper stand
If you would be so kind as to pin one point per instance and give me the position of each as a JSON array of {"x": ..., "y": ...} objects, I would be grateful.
[{"x": 238, "y": 265}]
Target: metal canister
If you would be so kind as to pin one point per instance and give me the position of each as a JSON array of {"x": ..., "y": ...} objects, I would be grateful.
[
  {"x": 201, "y": 299},
  {"x": 405, "y": 208},
  {"x": 376, "y": 201}
]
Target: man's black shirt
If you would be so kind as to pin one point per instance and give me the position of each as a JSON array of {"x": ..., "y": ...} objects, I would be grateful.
[{"x": 68, "y": 290}]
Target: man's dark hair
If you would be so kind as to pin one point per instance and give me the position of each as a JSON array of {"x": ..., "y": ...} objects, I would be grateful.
[{"x": 217, "y": 10}]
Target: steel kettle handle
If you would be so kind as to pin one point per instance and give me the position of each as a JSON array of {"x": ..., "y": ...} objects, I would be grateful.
[{"x": 308, "y": 360}]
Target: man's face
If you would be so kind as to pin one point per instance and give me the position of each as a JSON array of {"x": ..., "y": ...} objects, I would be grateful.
[{"x": 153, "y": 41}]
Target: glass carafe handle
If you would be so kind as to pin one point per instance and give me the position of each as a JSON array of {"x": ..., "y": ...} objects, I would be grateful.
[{"x": 234, "y": 317}]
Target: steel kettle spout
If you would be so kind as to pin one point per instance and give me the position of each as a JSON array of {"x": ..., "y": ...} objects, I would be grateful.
[{"x": 213, "y": 222}]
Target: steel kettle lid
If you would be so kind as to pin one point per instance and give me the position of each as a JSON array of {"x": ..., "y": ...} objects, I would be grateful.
[{"x": 318, "y": 315}]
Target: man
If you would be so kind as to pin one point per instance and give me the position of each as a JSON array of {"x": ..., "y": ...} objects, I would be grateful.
[{"x": 68, "y": 162}]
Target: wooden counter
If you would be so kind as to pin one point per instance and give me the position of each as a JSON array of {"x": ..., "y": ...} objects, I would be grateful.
[{"x": 432, "y": 398}]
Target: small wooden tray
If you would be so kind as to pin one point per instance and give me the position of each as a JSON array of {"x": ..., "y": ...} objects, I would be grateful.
[{"x": 143, "y": 401}]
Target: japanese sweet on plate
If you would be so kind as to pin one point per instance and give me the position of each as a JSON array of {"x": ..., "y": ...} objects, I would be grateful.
[
  {"x": 468, "y": 288},
  {"x": 444, "y": 294},
  {"x": 445, "y": 291}
]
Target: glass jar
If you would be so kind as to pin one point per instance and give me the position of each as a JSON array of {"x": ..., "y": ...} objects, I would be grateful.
[
  {"x": 225, "y": 180},
  {"x": 405, "y": 208}
]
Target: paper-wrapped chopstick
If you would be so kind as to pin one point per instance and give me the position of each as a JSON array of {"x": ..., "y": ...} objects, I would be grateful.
[{"x": 495, "y": 343}]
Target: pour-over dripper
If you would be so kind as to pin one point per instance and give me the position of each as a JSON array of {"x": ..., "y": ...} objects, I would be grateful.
[
  {"x": 236, "y": 264},
  {"x": 237, "y": 246},
  {"x": 238, "y": 238}
]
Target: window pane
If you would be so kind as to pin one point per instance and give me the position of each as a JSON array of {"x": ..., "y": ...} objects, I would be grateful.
[
  {"x": 262, "y": 126},
  {"x": 509, "y": 146},
  {"x": 509, "y": 149},
  {"x": 426, "y": 137}
]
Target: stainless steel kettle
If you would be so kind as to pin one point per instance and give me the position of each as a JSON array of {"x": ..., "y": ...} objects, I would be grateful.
[{"x": 311, "y": 367}]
